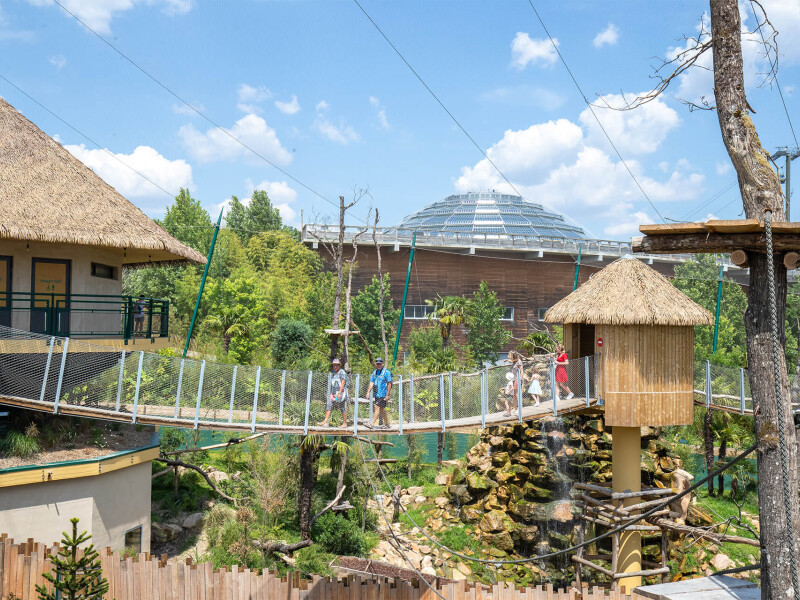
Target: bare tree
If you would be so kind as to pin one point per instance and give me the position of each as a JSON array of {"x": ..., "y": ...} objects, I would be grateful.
[
  {"x": 761, "y": 193},
  {"x": 380, "y": 289},
  {"x": 351, "y": 266}
]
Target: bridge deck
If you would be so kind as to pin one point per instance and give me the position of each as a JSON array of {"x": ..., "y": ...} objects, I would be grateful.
[{"x": 149, "y": 415}]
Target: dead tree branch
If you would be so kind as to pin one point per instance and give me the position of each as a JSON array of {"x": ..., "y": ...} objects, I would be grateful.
[{"x": 180, "y": 463}]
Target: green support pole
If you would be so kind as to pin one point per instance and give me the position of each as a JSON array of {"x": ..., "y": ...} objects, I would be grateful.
[
  {"x": 577, "y": 269},
  {"x": 405, "y": 295},
  {"x": 202, "y": 284},
  {"x": 719, "y": 301}
]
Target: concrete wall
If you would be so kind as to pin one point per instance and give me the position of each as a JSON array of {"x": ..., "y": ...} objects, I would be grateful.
[
  {"x": 81, "y": 281},
  {"x": 107, "y": 505}
]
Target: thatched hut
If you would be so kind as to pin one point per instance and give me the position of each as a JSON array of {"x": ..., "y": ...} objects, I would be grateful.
[
  {"x": 642, "y": 329},
  {"x": 65, "y": 235}
]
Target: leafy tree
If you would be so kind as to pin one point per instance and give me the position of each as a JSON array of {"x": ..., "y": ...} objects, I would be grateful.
[
  {"x": 449, "y": 311},
  {"x": 290, "y": 340},
  {"x": 366, "y": 315},
  {"x": 229, "y": 321},
  {"x": 74, "y": 578},
  {"x": 428, "y": 354},
  {"x": 188, "y": 222},
  {"x": 258, "y": 216},
  {"x": 486, "y": 335}
]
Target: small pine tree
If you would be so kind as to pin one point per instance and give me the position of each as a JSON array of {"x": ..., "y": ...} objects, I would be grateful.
[{"x": 75, "y": 578}]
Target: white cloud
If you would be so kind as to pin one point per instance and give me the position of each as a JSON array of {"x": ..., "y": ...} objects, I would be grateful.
[
  {"x": 58, "y": 61},
  {"x": 722, "y": 168},
  {"x": 629, "y": 225},
  {"x": 288, "y": 108},
  {"x": 168, "y": 174},
  {"x": 97, "y": 14},
  {"x": 608, "y": 37},
  {"x": 250, "y": 96},
  {"x": 638, "y": 131},
  {"x": 182, "y": 109},
  {"x": 341, "y": 133},
  {"x": 525, "y": 51},
  {"x": 216, "y": 145},
  {"x": 322, "y": 105},
  {"x": 382, "y": 120},
  {"x": 525, "y": 95}
]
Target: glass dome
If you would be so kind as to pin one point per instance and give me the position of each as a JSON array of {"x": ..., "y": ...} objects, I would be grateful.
[{"x": 491, "y": 213}]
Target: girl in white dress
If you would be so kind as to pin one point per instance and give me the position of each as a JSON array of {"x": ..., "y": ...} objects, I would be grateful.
[{"x": 535, "y": 388}]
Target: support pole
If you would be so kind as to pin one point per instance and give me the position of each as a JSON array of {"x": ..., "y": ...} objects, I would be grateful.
[
  {"x": 233, "y": 392},
  {"x": 519, "y": 395},
  {"x": 308, "y": 401},
  {"x": 450, "y": 394},
  {"x": 199, "y": 394},
  {"x": 355, "y": 405},
  {"x": 400, "y": 402},
  {"x": 255, "y": 400},
  {"x": 586, "y": 378},
  {"x": 180, "y": 385},
  {"x": 411, "y": 385},
  {"x": 577, "y": 269},
  {"x": 708, "y": 384},
  {"x": 119, "y": 382},
  {"x": 553, "y": 389},
  {"x": 719, "y": 302},
  {"x": 138, "y": 386},
  {"x": 626, "y": 459},
  {"x": 61, "y": 374},
  {"x": 283, "y": 394},
  {"x": 788, "y": 184},
  {"x": 405, "y": 295},
  {"x": 441, "y": 399},
  {"x": 741, "y": 390},
  {"x": 202, "y": 284},
  {"x": 47, "y": 370}
]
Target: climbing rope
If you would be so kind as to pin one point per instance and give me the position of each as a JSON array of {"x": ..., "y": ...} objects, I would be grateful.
[
  {"x": 784, "y": 458},
  {"x": 571, "y": 549}
]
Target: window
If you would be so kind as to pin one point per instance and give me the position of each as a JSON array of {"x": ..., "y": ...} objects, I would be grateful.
[
  {"x": 417, "y": 311},
  {"x": 133, "y": 540},
  {"x": 542, "y": 310},
  {"x": 103, "y": 271},
  {"x": 508, "y": 314}
]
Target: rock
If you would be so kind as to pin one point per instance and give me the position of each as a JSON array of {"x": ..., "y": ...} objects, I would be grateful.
[
  {"x": 494, "y": 521},
  {"x": 415, "y": 490},
  {"x": 406, "y": 500},
  {"x": 426, "y": 563},
  {"x": 442, "y": 479},
  {"x": 500, "y": 459},
  {"x": 424, "y": 549},
  {"x": 463, "y": 568},
  {"x": 559, "y": 510},
  {"x": 193, "y": 520},
  {"x": 419, "y": 499},
  {"x": 438, "y": 562},
  {"x": 379, "y": 552},
  {"x": 428, "y": 571},
  {"x": 441, "y": 502},
  {"x": 502, "y": 541},
  {"x": 526, "y": 534},
  {"x": 479, "y": 483},
  {"x": 218, "y": 476},
  {"x": 458, "y": 576},
  {"x": 458, "y": 476},
  {"x": 471, "y": 514},
  {"x": 165, "y": 532},
  {"x": 681, "y": 481},
  {"x": 721, "y": 562},
  {"x": 459, "y": 494}
]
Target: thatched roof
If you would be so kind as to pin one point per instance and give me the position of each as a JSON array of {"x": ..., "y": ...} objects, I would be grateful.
[
  {"x": 628, "y": 292},
  {"x": 48, "y": 195}
]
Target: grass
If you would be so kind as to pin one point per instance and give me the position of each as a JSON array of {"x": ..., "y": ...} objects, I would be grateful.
[{"x": 20, "y": 445}]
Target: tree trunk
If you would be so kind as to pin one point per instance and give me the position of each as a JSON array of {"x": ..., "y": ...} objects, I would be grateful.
[
  {"x": 708, "y": 441},
  {"x": 342, "y": 466},
  {"x": 439, "y": 447},
  {"x": 410, "y": 442},
  {"x": 226, "y": 343},
  {"x": 760, "y": 189},
  {"x": 381, "y": 291},
  {"x": 308, "y": 456},
  {"x": 723, "y": 453}
]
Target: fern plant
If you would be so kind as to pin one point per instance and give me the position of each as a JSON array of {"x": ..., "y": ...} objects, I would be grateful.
[{"x": 74, "y": 577}]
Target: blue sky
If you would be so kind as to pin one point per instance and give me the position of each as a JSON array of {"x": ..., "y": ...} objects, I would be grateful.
[{"x": 314, "y": 88}]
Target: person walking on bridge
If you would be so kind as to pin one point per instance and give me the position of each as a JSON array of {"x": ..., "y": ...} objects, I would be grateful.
[
  {"x": 337, "y": 394},
  {"x": 381, "y": 380}
]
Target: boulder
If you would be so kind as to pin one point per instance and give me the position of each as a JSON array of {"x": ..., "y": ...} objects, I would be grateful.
[
  {"x": 681, "y": 481},
  {"x": 406, "y": 500},
  {"x": 721, "y": 562},
  {"x": 479, "y": 483},
  {"x": 526, "y": 534},
  {"x": 415, "y": 490},
  {"x": 495, "y": 521},
  {"x": 442, "y": 479},
  {"x": 165, "y": 532},
  {"x": 441, "y": 502},
  {"x": 218, "y": 476},
  {"x": 471, "y": 514},
  {"x": 424, "y": 549},
  {"x": 559, "y": 510},
  {"x": 463, "y": 568},
  {"x": 419, "y": 499},
  {"x": 459, "y": 494},
  {"x": 500, "y": 459},
  {"x": 193, "y": 520},
  {"x": 501, "y": 541}
]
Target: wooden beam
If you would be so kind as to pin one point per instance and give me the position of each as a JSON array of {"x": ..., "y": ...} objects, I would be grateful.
[
  {"x": 734, "y": 226},
  {"x": 739, "y": 258},
  {"x": 706, "y": 243},
  {"x": 790, "y": 260},
  {"x": 592, "y": 566},
  {"x": 672, "y": 228}
]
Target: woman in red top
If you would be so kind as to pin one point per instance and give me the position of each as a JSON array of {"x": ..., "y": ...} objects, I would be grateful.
[{"x": 562, "y": 360}]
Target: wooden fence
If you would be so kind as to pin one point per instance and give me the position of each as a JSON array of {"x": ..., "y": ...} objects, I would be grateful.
[{"x": 151, "y": 578}]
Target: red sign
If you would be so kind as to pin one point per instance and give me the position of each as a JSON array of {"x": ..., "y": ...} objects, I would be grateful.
[{"x": 599, "y": 342}]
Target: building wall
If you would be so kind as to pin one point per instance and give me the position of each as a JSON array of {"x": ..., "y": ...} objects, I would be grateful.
[
  {"x": 81, "y": 281},
  {"x": 527, "y": 285},
  {"x": 107, "y": 505}
]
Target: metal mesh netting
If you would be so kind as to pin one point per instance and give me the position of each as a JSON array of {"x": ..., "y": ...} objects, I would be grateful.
[{"x": 204, "y": 393}]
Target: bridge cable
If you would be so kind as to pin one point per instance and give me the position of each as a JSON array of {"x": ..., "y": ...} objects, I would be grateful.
[
  {"x": 593, "y": 540},
  {"x": 776, "y": 372}
]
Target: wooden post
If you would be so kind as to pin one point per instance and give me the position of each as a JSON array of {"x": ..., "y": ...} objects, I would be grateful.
[{"x": 626, "y": 445}]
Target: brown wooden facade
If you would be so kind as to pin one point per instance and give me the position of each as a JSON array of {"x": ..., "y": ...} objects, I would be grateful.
[{"x": 527, "y": 285}]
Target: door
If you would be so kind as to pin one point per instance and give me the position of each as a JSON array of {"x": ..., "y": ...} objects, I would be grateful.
[
  {"x": 5, "y": 291},
  {"x": 50, "y": 284}
]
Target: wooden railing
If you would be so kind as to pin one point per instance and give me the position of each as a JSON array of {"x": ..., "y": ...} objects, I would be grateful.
[{"x": 148, "y": 577}]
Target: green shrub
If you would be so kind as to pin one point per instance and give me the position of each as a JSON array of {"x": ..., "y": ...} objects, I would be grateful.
[
  {"x": 458, "y": 539},
  {"x": 314, "y": 561},
  {"x": 339, "y": 535},
  {"x": 290, "y": 341},
  {"x": 20, "y": 445}
]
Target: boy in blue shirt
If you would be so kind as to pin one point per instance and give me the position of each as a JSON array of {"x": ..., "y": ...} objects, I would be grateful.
[{"x": 381, "y": 380}]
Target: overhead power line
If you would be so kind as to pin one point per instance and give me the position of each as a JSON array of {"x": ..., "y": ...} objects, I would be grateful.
[
  {"x": 191, "y": 107},
  {"x": 596, "y": 118}
]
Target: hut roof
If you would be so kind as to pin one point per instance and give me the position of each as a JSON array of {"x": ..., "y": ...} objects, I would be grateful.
[
  {"x": 48, "y": 195},
  {"x": 628, "y": 292}
]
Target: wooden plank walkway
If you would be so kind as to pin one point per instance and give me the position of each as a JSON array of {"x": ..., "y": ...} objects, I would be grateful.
[{"x": 150, "y": 415}]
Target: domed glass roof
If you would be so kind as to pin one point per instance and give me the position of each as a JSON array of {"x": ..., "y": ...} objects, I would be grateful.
[{"x": 491, "y": 213}]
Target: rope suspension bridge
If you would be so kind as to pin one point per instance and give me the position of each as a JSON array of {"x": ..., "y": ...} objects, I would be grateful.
[{"x": 75, "y": 377}]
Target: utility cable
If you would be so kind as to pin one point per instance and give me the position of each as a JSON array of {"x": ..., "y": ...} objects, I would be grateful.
[
  {"x": 596, "y": 118},
  {"x": 79, "y": 132},
  {"x": 594, "y": 540},
  {"x": 776, "y": 372},
  {"x": 191, "y": 107}
]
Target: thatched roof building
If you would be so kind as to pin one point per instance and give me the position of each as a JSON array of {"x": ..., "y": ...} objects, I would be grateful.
[
  {"x": 48, "y": 195},
  {"x": 628, "y": 292}
]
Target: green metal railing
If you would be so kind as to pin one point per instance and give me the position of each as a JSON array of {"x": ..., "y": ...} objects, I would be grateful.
[{"x": 86, "y": 315}]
